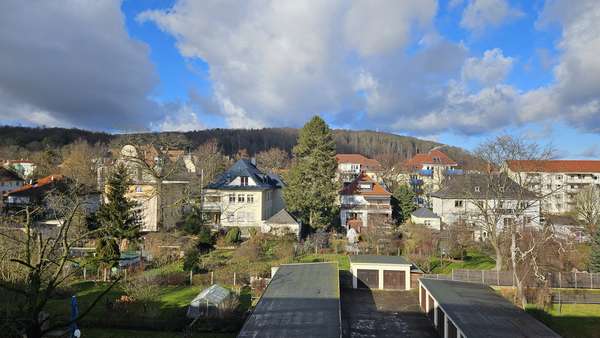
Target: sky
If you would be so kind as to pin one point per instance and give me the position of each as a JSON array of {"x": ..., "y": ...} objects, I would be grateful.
[{"x": 457, "y": 72}]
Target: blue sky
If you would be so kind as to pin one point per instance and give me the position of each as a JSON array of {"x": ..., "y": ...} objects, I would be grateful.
[{"x": 457, "y": 71}]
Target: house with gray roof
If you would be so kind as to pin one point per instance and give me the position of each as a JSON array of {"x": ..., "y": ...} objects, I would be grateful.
[
  {"x": 243, "y": 196},
  {"x": 282, "y": 223},
  {"x": 470, "y": 310},
  {"x": 466, "y": 199},
  {"x": 9, "y": 180},
  {"x": 426, "y": 217}
]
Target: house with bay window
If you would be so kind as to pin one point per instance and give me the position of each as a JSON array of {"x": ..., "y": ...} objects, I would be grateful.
[
  {"x": 243, "y": 196},
  {"x": 364, "y": 201}
]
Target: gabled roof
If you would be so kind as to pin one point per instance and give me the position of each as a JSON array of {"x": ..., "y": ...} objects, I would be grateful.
[
  {"x": 7, "y": 175},
  {"x": 359, "y": 159},
  {"x": 354, "y": 187},
  {"x": 554, "y": 166},
  {"x": 424, "y": 213},
  {"x": 282, "y": 217},
  {"x": 244, "y": 167},
  {"x": 40, "y": 187},
  {"x": 434, "y": 156},
  {"x": 483, "y": 187}
]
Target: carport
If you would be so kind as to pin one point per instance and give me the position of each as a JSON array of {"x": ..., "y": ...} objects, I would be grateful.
[{"x": 380, "y": 272}]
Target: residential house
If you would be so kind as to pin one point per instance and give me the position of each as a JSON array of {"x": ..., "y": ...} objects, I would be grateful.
[
  {"x": 9, "y": 180},
  {"x": 561, "y": 180},
  {"x": 33, "y": 193},
  {"x": 426, "y": 172},
  {"x": 159, "y": 186},
  {"x": 282, "y": 223},
  {"x": 243, "y": 196},
  {"x": 426, "y": 217},
  {"x": 362, "y": 200},
  {"x": 24, "y": 168},
  {"x": 468, "y": 199},
  {"x": 350, "y": 166}
]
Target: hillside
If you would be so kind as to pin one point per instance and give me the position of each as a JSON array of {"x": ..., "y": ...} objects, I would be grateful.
[{"x": 368, "y": 143}]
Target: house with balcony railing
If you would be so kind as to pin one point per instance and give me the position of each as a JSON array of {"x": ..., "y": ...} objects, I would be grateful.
[{"x": 363, "y": 201}]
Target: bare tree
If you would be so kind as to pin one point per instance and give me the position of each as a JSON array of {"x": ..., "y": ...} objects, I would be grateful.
[
  {"x": 209, "y": 160},
  {"x": 79, "y": 163},
  {"x": 272, "y": 159},
  {"x": 587, "y": 207},
  {"x": 41, "y": 263}
]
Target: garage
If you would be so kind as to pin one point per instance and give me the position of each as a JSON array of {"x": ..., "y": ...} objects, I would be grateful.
[
  {"x": 394, "y": 280},
  {"x": 380, "y": 272},
  {"x": 368, "y": 278}
]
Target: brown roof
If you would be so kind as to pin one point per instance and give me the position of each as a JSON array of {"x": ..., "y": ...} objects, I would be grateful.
[
  {"x": 554, "y": 166},
  {"x": 360, "y": 159},
  {"x": 434, "y": 156},
  {"x": 354, "y": 189},
  {"x": 42, "y": 182}
]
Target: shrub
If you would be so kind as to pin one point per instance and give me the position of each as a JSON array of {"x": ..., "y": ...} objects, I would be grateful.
[
  {"x": 233, "y": 236},
  {"x": 205, "y": 240},
  {"x": 284, "y": 250},
  {"x": 144, "y": 291},
  {"x": 191, "y": 259}
]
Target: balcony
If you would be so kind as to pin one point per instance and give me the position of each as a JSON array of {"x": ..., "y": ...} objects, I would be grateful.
[
  {"x": 450, "y": 172},
  {"x": 367, "y": 207},
  {"x": 426, "y": 172}
]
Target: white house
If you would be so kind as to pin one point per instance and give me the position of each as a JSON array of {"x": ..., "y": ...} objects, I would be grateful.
[
  {"x": 350, "y": 166},
  {"x": 362, "y": 200},
  {"x": 426, "y": 217},
  {"x": 469, "y": 198},
  {"x": 243, "y": 196}
]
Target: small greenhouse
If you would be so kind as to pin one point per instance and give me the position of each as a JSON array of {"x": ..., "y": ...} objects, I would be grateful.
[{"x": 209, "y": 303}]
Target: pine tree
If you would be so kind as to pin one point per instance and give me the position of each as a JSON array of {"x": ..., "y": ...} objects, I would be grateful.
[
  {"x": 595, "y": 254},
  {"x": 118, "y": 217},
  {"x": 311, "y": 189},
  {"x": 405, "y": 202}
]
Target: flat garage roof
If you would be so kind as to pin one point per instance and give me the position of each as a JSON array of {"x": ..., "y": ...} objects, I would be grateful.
[
  {"x": 302, "y": 300},
  {"x": 478, "y": 311},
  {"x": 374, "y": 259}
]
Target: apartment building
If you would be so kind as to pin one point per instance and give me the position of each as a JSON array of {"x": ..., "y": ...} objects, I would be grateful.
[
  {"x": 468, "y": 199},
  {"x": 243, "y": 196},
  {"x": 559, "y": 180},
  {"x": 364, "y": 200}
]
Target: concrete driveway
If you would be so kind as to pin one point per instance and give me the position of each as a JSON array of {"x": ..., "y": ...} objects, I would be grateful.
[{"x": 367, "y": 313}]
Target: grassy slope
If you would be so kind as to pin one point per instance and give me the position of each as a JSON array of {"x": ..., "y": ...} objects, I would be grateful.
[
  {"x": 474, "y": 261},
  {"x": 343, "y": 260},
  {"x": 572, "y": 321}
]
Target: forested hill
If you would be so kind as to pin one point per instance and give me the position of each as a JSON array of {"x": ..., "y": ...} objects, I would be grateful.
[{"x": 369, "y": 143}]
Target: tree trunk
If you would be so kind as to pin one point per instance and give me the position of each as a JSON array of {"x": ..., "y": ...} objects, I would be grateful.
[{"x": 498, "y": 254}]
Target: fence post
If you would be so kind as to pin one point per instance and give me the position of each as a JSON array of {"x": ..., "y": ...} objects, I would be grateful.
[
  {"x": 212, "y": 277},
  {"x": 84, "y": 273},
  {"x": 234, "y": 278},
  {"x": 591, "y": 280},
  {"x": 452, "y": 274},
  {"x": 559, "y": 280},
  {"x": 498, "y": 277},
  {"x": 468, "y": 279},
  {"x": 482, "y": 277},
  {"x": 575, "y": 273},
  {"x": 191, "y": 277}
]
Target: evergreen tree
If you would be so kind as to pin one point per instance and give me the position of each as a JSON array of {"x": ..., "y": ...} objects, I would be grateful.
[
  {"x": 311, "y": 189},
  {"x": 118, "y": 216},
  {"x": 405, "y": 204},
  {"x": 595, "y": 254}
]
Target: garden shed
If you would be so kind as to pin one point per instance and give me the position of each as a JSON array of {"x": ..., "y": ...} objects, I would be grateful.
[
  {"x": 380, "y": 272},
  {"x": 209, "y": 302}
]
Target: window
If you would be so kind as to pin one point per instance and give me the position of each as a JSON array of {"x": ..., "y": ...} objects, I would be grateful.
[
  {"x": 501, "y": 189},
  {"x": 244, "y": 181},
  {"x": 559, "y": 177},
  {"x": 458, "y": 203},
  {"x": 250, "y": 198},
  {"x": 231, "y": 198},
  {"x": 477, "y": 189},
  {"x": 138, "y": 188},
  {"x": 241, "y": 198},
  {"x": 508, "y": 222},
  {"x": 268, "y": 195},
  {"x": 230, "y": 217}
]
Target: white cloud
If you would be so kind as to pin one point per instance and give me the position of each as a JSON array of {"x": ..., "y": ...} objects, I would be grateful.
[
  {"x": 489, "y": 70},
  {"x": 72, "y": 63},
  {"x": 481, "y": 14},
  {"x": 180, "y": 117}
]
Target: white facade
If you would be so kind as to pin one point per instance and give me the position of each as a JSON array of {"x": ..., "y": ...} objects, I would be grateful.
[
  {"x": 454, "y": 210},
  {"x": 561, "y": 187},
  {"x": 434, "y": 223}
]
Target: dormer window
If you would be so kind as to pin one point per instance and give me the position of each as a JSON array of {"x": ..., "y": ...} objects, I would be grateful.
[{"x": 244, "y": 181}]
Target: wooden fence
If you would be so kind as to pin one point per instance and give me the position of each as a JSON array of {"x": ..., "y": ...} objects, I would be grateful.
[{"x": 576, "y": 280}]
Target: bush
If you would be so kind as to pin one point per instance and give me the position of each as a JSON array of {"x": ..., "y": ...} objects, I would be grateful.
[
  {"x": 457, "y": 252},
  {"x": 143, "y": 291},
  {"x": 191, "y": 259},
  {"x": 205, "y": 240},
  {"x": 233, "y": 236},
  {"x": 284, "y": 250}
]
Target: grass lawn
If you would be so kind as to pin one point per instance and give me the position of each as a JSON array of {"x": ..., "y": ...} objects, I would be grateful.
[
  {"x": 343, "y": 260},
  {"x": 114, "y": 333},
  {"x": 572, "y": 321},
  {"x": 474, "y": 261}
]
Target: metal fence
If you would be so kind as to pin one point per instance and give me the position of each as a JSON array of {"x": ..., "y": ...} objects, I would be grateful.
[{"x": 577, "y": 280}]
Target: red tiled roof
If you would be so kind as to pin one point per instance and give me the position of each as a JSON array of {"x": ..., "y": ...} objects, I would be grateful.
[
  {"x": 432, "y": 157},
  {"x": 354, "y": 189},
  {"x": 554, "y": 166},
  {"x": 360, "y": 159},
  {"x": 44, "y": 181}
]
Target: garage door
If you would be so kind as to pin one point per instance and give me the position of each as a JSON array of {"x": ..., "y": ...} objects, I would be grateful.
[
  {"x": 368, "y": 278},
  {"x": 394, "y": 280}
]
